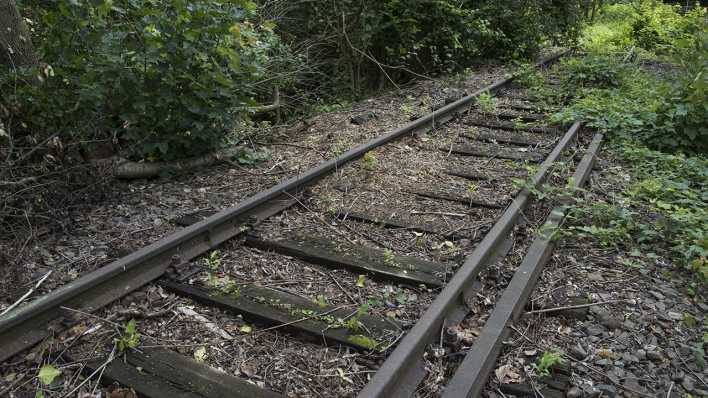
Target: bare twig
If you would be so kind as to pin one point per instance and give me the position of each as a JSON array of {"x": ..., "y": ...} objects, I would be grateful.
[
  {"x": 29, "y": 292},
  {"x": 438, "y": 213},
  {"x": 99, "y": 369},
  {"x": 206, "y": 322},
  {"x": 23, "y": 181},
  {"x": 574, "y": 307},
  {"x": 696, "y": 375},
  {"x": 372, "y": 59}
]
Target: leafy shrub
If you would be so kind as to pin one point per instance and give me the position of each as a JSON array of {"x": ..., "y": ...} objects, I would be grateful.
[
  {"x": 650, "y": 25},
  {"x": 362, "y": 45},
  {"x": 167, "y": 78},
  {"x": 629, "y": 103},
  {"x": 683, "y": 115},
  {"x": 592, "y": 70}
]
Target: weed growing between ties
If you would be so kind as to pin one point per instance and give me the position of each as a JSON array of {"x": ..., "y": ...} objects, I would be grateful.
[{"x": 643, "y": 83}]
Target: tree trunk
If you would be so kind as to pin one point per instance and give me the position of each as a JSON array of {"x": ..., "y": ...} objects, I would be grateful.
[
  {"x": 594, "y": 8},
  {"x": 15, "y": 43}
]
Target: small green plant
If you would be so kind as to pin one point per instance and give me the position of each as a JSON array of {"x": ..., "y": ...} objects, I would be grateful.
[
  {"x": 370, "y": 161},
  {"x": 548, "y": 360},
  {"x": 592, "y": 71},
  {"x": 361, "y": 281},
  {"x": 321, "y": 301},
  {"x": 339, "y": 147},
  {"x": 527, "y": 75},
  {"x": 213, "y": 260},
  {"x": 389, "y": 257},
  {"x": 47, "y": 374},
  {"x": 472, "y": 188},
  {"x": 129, "y": 338},
  {"x": 250, "y": 156},
  {"x": 486, "y": 103},
  {"x": 406, "y": 110},
  {"x": 353, "y": 322}
]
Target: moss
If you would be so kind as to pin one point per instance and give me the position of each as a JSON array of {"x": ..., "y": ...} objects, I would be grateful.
[{"x": 364, "y": 341}]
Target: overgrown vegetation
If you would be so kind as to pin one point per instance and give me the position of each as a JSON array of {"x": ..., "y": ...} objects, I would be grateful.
[
  {"x": 158, "y": 81},
  {"x": 360, "y": 45},
  {"x": 165, "y": 79},
  {"x": 643, "y": 82}
]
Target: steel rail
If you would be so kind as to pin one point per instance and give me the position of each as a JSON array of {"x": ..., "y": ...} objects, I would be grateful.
[
  {"x": 403, "y": 370},
  {"x": 39, "y": 319},
  {"x": 471, "y": 376}
]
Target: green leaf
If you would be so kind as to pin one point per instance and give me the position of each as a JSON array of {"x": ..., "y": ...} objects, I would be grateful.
[
  {"x": 200, "y": 354},
  {"x": 361, "y": 280},
  {"x": 47, "y": 374}
]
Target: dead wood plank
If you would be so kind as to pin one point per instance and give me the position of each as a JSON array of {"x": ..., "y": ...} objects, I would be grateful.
[
  {"x": 273, "y": 307},
  {"x": 528, "y": 117},
  {"x": 486, "y": 137},
  {"x": 277, "y": 205},
  {"x": 479, "y": 176},
  {"x": 509, "y": 126},
  {"x": 499, "y": 153},
  {"x": 459, "y": 199},
  {"x": 166, "y": 374},
  {"x": 522, "y": 107},
  {"x": 357, "y": 258},
  {"x": 526, "y": 390},
  {"x": 396, "y": 224}
]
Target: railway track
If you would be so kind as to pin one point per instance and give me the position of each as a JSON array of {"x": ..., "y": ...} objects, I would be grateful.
[{"x": 425, "y": 238}]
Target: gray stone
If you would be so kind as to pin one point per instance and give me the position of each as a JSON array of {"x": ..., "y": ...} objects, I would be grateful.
[
  {"x": 633, "y": 385},
  {"x": 607, "y": 390},
  {"x": 578, "y": 352},
  {"x": 687, "y": 384},
  {"x": 657, "y": 295},
  {"x": 655, "y": 356},
  {"x": 675, "y": 316},
  {"x": 603, "y": 362},
  {"x": 574, "y": 392},
  {"x": 641, "y": 354},
  {"x": 595, "y": 276},
  {"x": 593, "y": 330},
  {"x": 629, "y": 358},
  {"x": 611, "y": 322},
  {"x": 678, "y": 376}
]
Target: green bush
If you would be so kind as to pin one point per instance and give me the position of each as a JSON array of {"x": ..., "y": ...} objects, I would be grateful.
[
  {"x": 365, "y": 44},
  {"x": 683, "y": 115},
  {"x": 647, "y": 24},
  {"x": 592, "y": 71},
  {"x": 165, "y": 78}
]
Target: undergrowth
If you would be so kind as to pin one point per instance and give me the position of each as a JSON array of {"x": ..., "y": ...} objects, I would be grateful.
[{"x": 642, "y": 81}]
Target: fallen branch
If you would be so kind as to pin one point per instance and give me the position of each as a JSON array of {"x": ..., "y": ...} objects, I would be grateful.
[
  {"x": 264, "y": 108},
  {"x": 130, "y": 170}
]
